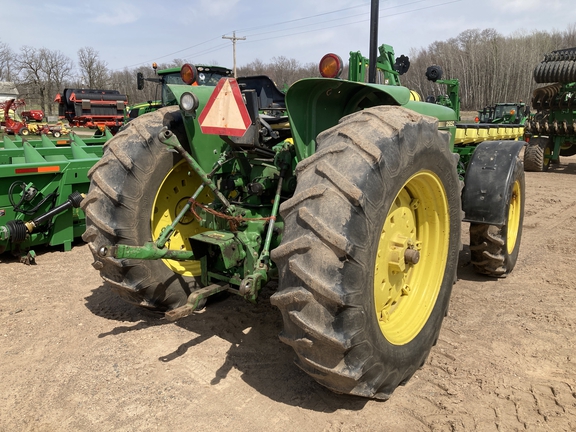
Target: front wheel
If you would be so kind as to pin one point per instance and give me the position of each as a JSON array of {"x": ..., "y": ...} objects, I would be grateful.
[
  {"x": 24, "y": 132},
  {"x": 370, "y": 250},
  {"x": 569, "y": 149},
  {"x": 537, "y": 154},
  {"x": 494, "y": 249},
  {"x": 56, "y": 134}
]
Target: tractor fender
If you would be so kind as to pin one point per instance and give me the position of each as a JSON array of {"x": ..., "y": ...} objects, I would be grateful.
[
  {"x": 488, "y": 181},
  {"x": 317, "y": 104}
]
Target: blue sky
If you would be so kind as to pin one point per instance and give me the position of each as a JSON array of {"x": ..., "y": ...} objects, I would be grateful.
[{"x": 132, "y": 33}]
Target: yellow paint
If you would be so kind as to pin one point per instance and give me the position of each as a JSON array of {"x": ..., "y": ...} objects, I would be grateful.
[{"x": 405, "y": 292}]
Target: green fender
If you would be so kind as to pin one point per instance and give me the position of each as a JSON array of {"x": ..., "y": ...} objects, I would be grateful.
[
  {"x": 317, "y": 104},
  {"x": 488, "y": 182}
]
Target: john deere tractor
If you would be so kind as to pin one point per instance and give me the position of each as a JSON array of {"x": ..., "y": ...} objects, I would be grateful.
[
  {"x": 344, "y": 193},
  {"x": 551, "y": 131},
  {"x": 207, "y": 75}
]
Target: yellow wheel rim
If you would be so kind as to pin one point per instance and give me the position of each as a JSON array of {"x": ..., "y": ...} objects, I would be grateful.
[
  {"x": 513, "y": 217},
  {"x": 178, "y": 185},
  {"x": 547, "y": 155},
  {"x": 411, "y": 257}
]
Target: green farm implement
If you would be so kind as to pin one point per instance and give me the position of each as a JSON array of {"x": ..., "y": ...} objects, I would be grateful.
[
  {"x": 504, "y": 113},
  {"x": 499, "y": 123},
  {"x": 42, "y": 183},
  {"x": 348, "y": 193},
  {"x": 551, "y": 131}
]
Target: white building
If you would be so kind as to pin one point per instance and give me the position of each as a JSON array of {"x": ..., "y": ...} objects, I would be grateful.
[{"x": 8, "y": 90}]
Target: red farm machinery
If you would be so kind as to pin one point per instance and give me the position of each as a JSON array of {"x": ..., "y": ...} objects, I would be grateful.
[
  {"x": 18, "y": 125},
  {"x": 92, "y": 108}
]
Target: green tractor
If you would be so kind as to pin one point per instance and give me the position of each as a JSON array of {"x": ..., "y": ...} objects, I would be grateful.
[
  {"x": 344, "y": 193},
  {"x": 551, "y": 131},
  {"x": 138, "y": 109},
  {"x": 207, "y": 76},
  {"x": 505, "y": 113}
]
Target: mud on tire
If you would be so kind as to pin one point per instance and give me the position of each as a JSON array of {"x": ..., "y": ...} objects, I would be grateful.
[
  {"x": 118, "y": 210},
  {"x": 352, "y": 194}
]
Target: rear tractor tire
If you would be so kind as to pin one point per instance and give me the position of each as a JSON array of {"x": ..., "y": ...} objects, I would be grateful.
[
  {"x": 369, "y": 252},
  {"x": 537, "y": 154},
  {"x": 494, "y": 250},
  {"x": 136, "y": 189}
]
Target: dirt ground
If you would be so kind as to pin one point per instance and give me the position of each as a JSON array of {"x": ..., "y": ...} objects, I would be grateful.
[{"x": 76, "y": 358}]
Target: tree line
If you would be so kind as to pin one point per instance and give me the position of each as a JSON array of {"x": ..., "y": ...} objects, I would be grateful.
[{"x": 490, "y": 67}]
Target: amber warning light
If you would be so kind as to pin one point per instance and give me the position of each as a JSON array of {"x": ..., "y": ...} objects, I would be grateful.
[
  {"x": 188, "y": 73},
  {"x": 331, "y": 66}
]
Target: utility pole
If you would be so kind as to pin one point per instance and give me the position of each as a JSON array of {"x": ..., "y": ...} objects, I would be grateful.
[
  {"x": 234, "y": 39},
  {"x": 374, "y": 10}
]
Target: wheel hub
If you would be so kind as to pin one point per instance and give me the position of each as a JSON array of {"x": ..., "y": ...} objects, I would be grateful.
[{"x": 172, "y": 195}]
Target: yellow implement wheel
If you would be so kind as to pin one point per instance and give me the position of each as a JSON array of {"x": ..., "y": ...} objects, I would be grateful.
[
  {"x": 172, "y": 196},
  {"x": 547, "y": 157},
  {"x": 411, "y": 258},
  {"x": 494, "y": 248}
]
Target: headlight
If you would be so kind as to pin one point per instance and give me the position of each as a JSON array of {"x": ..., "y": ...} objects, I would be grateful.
[{"x": 189, "y": 102}]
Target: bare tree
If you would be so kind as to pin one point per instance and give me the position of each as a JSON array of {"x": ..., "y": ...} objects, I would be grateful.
[
  {"x": 125, "y": 82},
  {"x": 6, "y": 59},
  {"x": 41, "y": 74},
  {"x": 58, "y": 69},
  {"x": 32, "y": 73},
  {"x": 282, "y": 70},
  {"x": 93, "y": 70},
  {"x": 491, "y": 68},
  {"x": 256, "y": 67}
]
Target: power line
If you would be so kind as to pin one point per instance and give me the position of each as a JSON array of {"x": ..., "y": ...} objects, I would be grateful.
[
  {"x": 332, "y": 20},
  {"x": 302, "y": 19},
  {"x": 209, "y": 50},
  {"x": 350, "y": 23},
  {"x": 242, "y": 30},
  {"x": 175, "y": 52}
]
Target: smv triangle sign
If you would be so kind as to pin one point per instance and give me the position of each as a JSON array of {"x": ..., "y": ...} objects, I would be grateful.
[{"x": 225, "y": 112}]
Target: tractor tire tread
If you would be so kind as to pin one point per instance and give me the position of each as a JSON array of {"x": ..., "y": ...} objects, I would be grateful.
[
  {"x": 534, "y": 156},
  {"x": 323, "y": 320},
  {"x": 115, "y": 213}
]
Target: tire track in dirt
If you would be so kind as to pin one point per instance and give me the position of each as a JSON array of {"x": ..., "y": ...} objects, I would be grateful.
[
  {"x": 74, "y": 357},
  {"x": 504, "y": 359}
]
